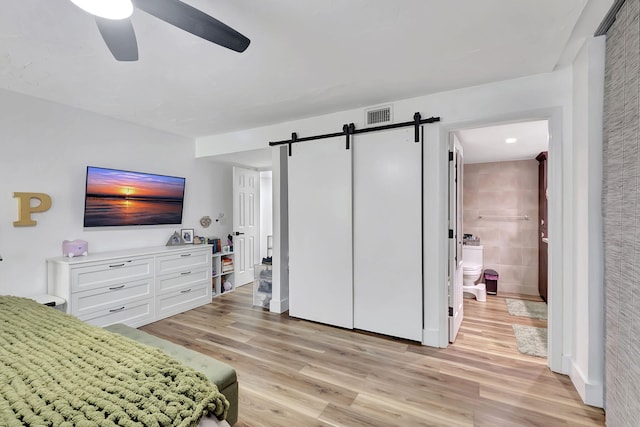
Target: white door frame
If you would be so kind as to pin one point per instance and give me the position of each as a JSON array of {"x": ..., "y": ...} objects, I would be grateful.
[
  {"x": 455, "y": 186},
  {"x": 246, "y": 222},
  {"x": 560, "y": 293}
]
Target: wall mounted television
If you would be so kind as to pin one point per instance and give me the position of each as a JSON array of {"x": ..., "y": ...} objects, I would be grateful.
[{"x": 118, "y": 198}]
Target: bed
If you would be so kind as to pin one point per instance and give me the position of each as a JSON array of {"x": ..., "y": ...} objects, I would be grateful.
[{"x": 57, "y": 370}]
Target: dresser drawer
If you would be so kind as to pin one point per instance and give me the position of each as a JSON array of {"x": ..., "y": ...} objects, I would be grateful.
[
  {"x": 111, "y": 273},
  {"x": 108, "y": 296},
  {"x": 183, "y": 261},
  {"x": 133, "y": 314},
  {"x": 126, "y": 286},
  {"x": 184, "y": 279},
  {"x": 182, "y": 300}
]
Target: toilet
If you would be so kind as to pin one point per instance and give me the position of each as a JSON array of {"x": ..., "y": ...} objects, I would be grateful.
[{"x": 471, "y": 271}]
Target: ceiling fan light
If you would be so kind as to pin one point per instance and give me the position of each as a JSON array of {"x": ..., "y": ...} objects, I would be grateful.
[{"x": 109, "y": 9}]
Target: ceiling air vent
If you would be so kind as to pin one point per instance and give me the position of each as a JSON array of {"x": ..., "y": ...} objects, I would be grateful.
[{"x": 379, "y": 115}]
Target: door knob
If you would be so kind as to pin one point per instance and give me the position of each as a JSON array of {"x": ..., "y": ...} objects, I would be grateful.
[{"x": 237, "y": 233}]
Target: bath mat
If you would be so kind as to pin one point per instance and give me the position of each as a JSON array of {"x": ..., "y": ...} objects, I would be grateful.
[
  {"x": 531, "y": 340},
  {"x": 533, "y": 309}
]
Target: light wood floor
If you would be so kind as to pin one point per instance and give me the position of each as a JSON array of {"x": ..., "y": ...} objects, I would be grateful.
[{"x": 297, "y": 373}]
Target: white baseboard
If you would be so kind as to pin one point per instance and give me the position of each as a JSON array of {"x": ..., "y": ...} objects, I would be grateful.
[
  {"x": 431, "y": 337},
  {"x": 279, "y": 306},
  {"x": 516, "y": 288},
  {"x": 567, "y": 365},
  {"x": 591, "y": 393}
]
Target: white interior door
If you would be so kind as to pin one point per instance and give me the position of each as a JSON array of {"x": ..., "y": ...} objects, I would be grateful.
[
  {"x": 456, "y": 297},
  {"x": 387, "y": 221},
  {"x": 320, "y": 228},
  {"x": 246, "y": 219}
]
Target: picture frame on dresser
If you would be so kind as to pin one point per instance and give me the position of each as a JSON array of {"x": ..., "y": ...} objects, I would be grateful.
[
  {"x": 175, "y": 240},
  {"x": 187, "y": 235}
]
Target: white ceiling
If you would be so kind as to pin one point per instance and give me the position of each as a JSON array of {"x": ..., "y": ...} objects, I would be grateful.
[
  {"x": 306, "y": 58},
  {"x": 488, "y": 144}
]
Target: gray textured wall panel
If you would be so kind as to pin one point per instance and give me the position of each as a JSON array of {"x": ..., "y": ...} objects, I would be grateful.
[{"x": 621, "y": 209}]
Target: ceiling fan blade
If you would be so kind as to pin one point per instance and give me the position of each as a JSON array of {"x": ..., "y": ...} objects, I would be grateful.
[
  {"x": 195, "y": 22},
  {"x": 119, "y": 37}
]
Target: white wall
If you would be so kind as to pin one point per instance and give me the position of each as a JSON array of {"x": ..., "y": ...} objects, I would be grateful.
[
  {"x": 280, "y": 295},
  {"x": 46, "y": 148},
  {"x": 266, "y": 210},
  {"x": 545, "y": 96},
  {"x": 509, "y": 100},
  {"x": 587, "y": 363}
]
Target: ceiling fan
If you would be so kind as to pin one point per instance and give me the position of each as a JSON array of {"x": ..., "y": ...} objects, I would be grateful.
[{"x": 112, "y": 17}]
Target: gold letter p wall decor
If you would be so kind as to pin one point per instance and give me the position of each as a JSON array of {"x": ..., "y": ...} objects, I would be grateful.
[{"x": 25, "y": 209}]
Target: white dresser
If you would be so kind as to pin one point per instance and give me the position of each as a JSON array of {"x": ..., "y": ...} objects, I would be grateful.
[{"x": 135, "y": 286}]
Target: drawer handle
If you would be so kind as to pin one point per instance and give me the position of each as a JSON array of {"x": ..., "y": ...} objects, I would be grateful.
[
  {"x": 116, "y": 265},
  {"x": 116, "y": 309},
  {"x": 186, "y": 291},
  {"x": 183, "y": 255},
  {"x": 185, "y": 273},
  {"x": 116, "y": 287}
]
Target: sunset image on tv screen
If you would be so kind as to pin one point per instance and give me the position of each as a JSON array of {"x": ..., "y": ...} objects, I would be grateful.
[{"x": 116, "y": 197}]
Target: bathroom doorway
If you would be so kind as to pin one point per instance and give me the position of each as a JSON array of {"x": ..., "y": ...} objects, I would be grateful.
[{"x": 504, "y": 211}]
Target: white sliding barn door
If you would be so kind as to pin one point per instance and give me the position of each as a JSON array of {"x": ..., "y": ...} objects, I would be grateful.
[
  {"x": 387, "y": 221},
  {"x": 320, "y": 230},
  {"x": 246, "y": 220}
]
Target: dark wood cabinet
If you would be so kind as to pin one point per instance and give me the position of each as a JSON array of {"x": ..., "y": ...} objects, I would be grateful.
[{"x": 543, "y": 245}]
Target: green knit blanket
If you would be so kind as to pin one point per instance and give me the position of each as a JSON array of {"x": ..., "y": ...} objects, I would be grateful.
[{"x": 58, "y": 371}]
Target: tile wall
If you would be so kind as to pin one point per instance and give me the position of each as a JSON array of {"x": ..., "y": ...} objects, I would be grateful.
[{"x": 497, "y": 192}]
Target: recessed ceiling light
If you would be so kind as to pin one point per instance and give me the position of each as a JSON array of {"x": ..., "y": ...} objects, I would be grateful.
[
  {"x": 109, "y": 9},
  {"x": 510, "y": 140}
]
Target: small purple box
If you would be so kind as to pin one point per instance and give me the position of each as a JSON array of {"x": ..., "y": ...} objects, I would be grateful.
[{"x": 71, "y": 248}]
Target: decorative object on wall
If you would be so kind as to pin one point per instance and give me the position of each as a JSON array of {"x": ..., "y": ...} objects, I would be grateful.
[
  {"x": 187, "y": 235},
  {"x": 205, "y": 221},
  {"x": 71, "y": 248},
  {"x": 175, "y": 240},
  {"x": 150, "y": 199},
  {"x": 220, "y": 216},
  {"x": 25, "y": 209}
]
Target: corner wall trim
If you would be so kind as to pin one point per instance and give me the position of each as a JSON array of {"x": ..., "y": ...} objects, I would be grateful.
[
  {"x": 609, "y": 18},
  {"x": 279, "y": 306},
  {"x": 591, "y": 393},
  {"x": 431, "y": 337}
]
